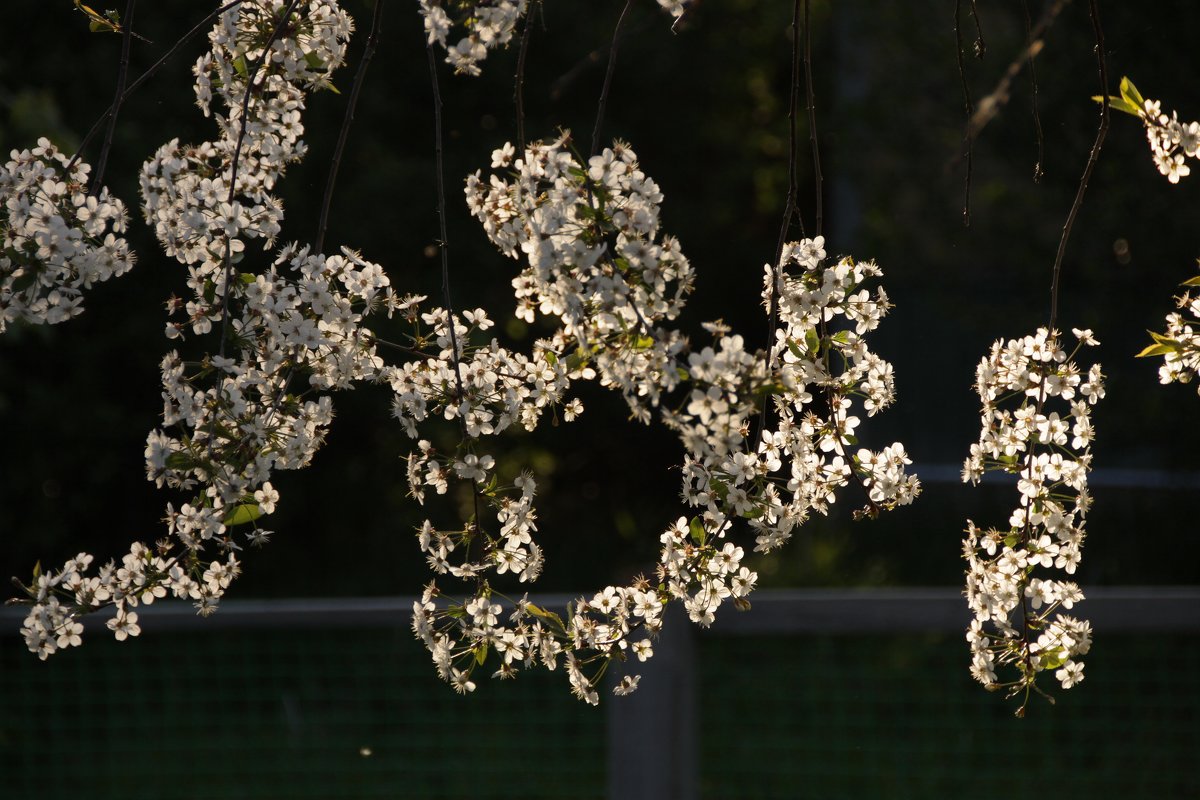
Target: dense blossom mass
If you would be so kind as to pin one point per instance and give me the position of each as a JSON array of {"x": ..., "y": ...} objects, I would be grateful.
[
  {"x": 1049, "y": 451},
  {"x": 596, "y": 264},
  {"x": 287, "y": 333},
  {"x": 1171, "y": 143},
  {"x": 59, "y": 238},
  {"x": 769, "y": 436}
]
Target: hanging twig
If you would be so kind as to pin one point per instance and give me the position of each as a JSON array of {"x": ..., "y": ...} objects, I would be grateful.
[
  {"x": 980, "y": 44},
  {"x": 969, "y": 109},
  {"x": 145, "y": 76},
  {"x": 519, "y": 81},
  {"x": 608, "y": 73},
  {"x": 1101, "y": 132},
  {"x": 812, "y": 116},
  {"x": 989, "y": 107},
  {"x": 790, "y": 210},
  {"x": 97, "y": 178},
  {"x": 368, "y": 52}
]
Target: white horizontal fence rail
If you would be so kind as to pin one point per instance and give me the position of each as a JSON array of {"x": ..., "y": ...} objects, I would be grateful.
[{"x": 1129, "y": 609}]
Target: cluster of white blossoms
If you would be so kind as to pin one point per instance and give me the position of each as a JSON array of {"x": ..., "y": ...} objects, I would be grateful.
[
  {"x": 58, "y": 239},
  {"x": 596, "y": 264},
  {"x": 291, "y": 331},
  {"x": 481, "y": 26},
  {"x": 1179, "y": 344},
  {"x": 1171, "y": 141},
  {"x": 1050, "y": 453}
]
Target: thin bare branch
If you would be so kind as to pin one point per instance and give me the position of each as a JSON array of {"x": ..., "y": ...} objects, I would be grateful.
[
  {"x": 97, "y": 178},
  {"x": 1101, "y": 132},
  {"x": 335, "y": 164}
]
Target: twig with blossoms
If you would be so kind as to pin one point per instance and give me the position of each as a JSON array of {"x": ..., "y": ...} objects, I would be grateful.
[
  {"x": 595, "y": 262},
  {"x": 234, "y": 418},
  {"x": 1170, "y": 142},
  {"x": 1050, "y": 453}
]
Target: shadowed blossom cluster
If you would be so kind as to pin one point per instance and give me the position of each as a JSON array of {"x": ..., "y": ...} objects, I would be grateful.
[
  {"x": 58, "y": 238},
  {"x": 595, "y": 264},
  {"x": 481, "y": 26},
  {"x": 1014, "y": 599}
]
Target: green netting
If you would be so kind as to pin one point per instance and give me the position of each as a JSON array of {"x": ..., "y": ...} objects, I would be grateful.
[
  {"x": 898, "y": 717},
  {"x": 285, "y": 714},
  {"x": 358, "y": 713}
]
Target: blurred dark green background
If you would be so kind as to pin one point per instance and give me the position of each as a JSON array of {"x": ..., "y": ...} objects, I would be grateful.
[
  {"x": 706, "y": 111},
  {"x": 286, "y": 713}
]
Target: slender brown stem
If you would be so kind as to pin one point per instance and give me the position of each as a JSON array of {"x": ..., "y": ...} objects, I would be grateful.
[
  {"x": 1037, "y": 117},
  {"x": 145, "y": 76},
  {"x": 519, "y": 82},
  {"x": 790, "y": 210},
  {"x": 980, "y": 44},
  {"x": 1101, "y": 132},
  {"x": 608, "y": 74},
  {"x": 969, "y": 108},
  {"x": 97, "y": 178},
  {"x": 335, "y": 164},
  {"x": 812, "y": 116}
]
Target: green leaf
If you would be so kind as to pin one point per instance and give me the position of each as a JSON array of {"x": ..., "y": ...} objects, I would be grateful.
[
  {"x": 246, "y": 278},
  {"x": 1192, "y": 281},
  {"x": 542, "y": 613},
  {"x": 1164, "y": 340},
  {"x": 812, "y": 341},
  {"x": 37, "y": 571},
  {"x": 696, "y": 528},
  {"x": 481, "y": 654},
  {"x": 239, "y": 66},
  {"x": 1119, "y": 104},
  {"x": 27, "y": 278},
  {"x": 682, "y": 373},
  {"x": 551, "y": 358},
  {"x": 1130, "y": 93},
  {"x": 313, "y": 60},
  {"x": 1156, "y": 350},
  {"x": 242, "y": 513},
  {"x": 1053, "y": 659},
  {"x": 641, "y": 343},
  {"x": 180, "y": 459}
]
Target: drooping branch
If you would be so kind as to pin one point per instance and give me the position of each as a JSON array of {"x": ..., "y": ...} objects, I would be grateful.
[
  {"x": 1093, "y": 156},
  {"x": 990, "y": 106},
  {"x": 147, "y": 75},
  {"x": 968, "y": 108},
  {"x": 608, "y": 74},
  {"x": 343, "y": 134},
  {"x": 97, "y": 179}
]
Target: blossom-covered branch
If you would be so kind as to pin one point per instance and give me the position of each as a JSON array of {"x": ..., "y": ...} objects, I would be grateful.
[
  {"x": 1050, "y": 453},
  {"x": 596, "y": 264}
]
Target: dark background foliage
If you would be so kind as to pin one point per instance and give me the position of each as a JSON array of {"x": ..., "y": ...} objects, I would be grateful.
[{"x": 706, "y": 110}]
